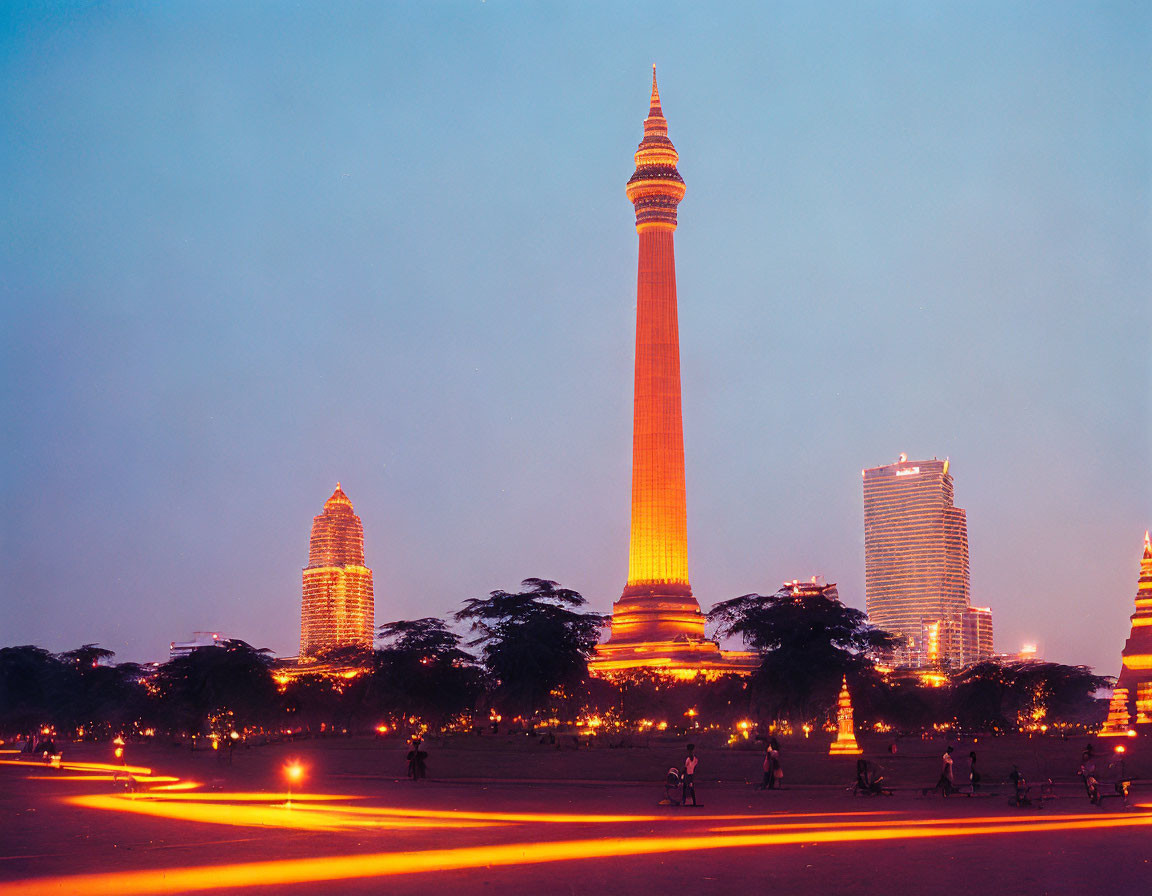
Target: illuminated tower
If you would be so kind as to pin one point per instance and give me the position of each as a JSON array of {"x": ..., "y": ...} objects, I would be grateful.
[
  {"x": 337, "y": 609},
  {"x": 1131, "y": 704},
  {"x": 845, "y": 743},
  {"x": 916, "y": 572},
  {"x": 657, "y": 622}
]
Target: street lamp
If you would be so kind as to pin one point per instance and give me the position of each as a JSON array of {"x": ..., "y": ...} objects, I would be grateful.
[{"x": 294, "y": 772}]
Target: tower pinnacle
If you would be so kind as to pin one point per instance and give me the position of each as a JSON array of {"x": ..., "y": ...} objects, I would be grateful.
[{"x": 656, "y": 187}]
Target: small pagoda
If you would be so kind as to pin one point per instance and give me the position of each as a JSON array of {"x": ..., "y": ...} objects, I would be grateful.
[
  {"x": 1130, "y": 710},
  {"x": 845, "y": 743}
]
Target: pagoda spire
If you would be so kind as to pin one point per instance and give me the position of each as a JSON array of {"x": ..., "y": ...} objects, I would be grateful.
[
  {"x": 1131, "y": 703},
  {"x": 845, "y": 743}
]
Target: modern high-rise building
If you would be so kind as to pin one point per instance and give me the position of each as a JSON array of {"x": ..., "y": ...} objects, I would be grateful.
[
  {"x": 1131, "y": 706},
  {"x": 976, "y": 636},
  {"x": 657, "y": 623},
  {"x": 916, "y": 572},
  {"x": 337, "y": 608}
]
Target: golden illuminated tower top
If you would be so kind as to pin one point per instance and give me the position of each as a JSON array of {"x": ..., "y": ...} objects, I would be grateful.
[
  {"x": 657, "y": 187},
  {"x": 337, "y": 534},
  {"x": 338, "y": 605}
]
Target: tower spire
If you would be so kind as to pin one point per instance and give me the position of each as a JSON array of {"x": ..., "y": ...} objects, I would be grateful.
[{"x": 657, "y": 623}]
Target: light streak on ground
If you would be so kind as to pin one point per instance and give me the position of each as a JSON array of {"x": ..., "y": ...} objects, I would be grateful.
[
  {"x": 244, "y": 797},
  {"x": 347, "y": 867},
  {"x": 140, "y": 779},
  {"x": 192, "y": 807},
  {"x": 179, "y": 785},
  {"x": 298, "y": 817},
  {"x": 908, "y": 822},
  {"x": 81, "y": 766}
]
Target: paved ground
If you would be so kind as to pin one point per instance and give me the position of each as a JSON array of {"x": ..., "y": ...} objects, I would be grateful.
[{"x": 353, "y": 829}]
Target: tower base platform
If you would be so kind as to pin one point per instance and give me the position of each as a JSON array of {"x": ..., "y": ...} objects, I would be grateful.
[{"x": 677, "y": 658}]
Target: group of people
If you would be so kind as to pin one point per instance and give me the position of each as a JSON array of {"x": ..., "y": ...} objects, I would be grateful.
[
  {"x": 947, "y": 781},
  {"x": 773, "y": 773},
  {"x": 37, "y": 745},
  {"x": 680, "y": 783}
]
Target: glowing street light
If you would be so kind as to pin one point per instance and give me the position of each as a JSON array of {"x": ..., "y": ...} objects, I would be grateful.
[{"x": 294, "y": 772}]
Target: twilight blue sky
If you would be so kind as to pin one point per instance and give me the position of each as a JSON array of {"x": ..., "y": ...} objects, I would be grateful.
[{"x": 249, "y": 249}]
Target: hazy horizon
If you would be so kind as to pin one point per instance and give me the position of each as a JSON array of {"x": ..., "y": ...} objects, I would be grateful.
[{"x": 249, "y": 250}]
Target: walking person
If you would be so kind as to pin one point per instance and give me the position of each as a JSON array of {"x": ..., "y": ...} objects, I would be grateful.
[
  {"x": 947, "y": 775},
  {"x": 973, "y": 775},
  {"x": 777, "y": 773},
  {"x": 689, "y": 785},
  {"x": 416, "y": 759},
  {"x": 1087, "y": 772},
  {"x": 763, "y": 785}
]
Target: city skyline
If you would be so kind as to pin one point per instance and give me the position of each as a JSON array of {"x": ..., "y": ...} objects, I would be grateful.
[{"x": 233, "y": 278}]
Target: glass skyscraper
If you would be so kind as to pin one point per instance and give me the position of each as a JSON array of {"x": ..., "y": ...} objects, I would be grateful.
[{"x": 916, "y": 571}]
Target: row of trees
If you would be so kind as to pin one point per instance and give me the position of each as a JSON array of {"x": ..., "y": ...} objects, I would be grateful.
[{"x": 530, "y": 664}]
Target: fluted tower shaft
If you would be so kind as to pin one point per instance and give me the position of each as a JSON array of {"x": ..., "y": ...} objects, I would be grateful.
[{"x": 657, "y": 603}]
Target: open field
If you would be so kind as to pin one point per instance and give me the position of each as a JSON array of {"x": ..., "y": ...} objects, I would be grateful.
[{"x": 510, "y": 814}]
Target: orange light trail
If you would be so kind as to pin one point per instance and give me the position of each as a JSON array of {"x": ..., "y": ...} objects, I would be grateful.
[
  {"x": 905, "y": 822},
  {"x": 140, "y": 779},
  {"x": 179, "y": 785},
  {"x": 183, "y": 806},
  {"x": 347, "y": 867},
  {"x": 299, "y": 817},
  {"x": 82, "y": 766},
  {"x": 242, "y": 797}
]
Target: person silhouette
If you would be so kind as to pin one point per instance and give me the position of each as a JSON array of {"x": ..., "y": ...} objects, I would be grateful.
[{"x": 689, "y": 785}]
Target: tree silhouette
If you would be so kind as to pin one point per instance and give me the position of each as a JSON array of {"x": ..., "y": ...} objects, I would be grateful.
[
  {"x": 991, "y": 695},
  {"x": 98, "y": 698},
  {"x": 422, "y": 673},
  {"x": 232, "y": 680},
  {"x": 532, "y": 642},
  {"x": 31, "y": 688},
  {"x": 806, "y": 643}
]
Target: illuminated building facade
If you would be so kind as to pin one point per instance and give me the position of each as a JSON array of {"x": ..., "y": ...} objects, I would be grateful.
[
  {"x": 657, "y": 623},
  {"x": 199, "y": 639},
  {"x": 916, "y": 571},
  {"x": 1131, "y": 705},
  {"x": 814, "y": 587},
  {"x": 976, "y": 635},
  {"x": 337, "y": 608}
]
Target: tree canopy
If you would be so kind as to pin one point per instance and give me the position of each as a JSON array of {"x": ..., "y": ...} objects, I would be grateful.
[
  {"x": 421, "y": 672},
  {"x": 806, "y": 644},
  {"x": 1004, "y": 696},
  {"x": 532, "y": 642}
]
